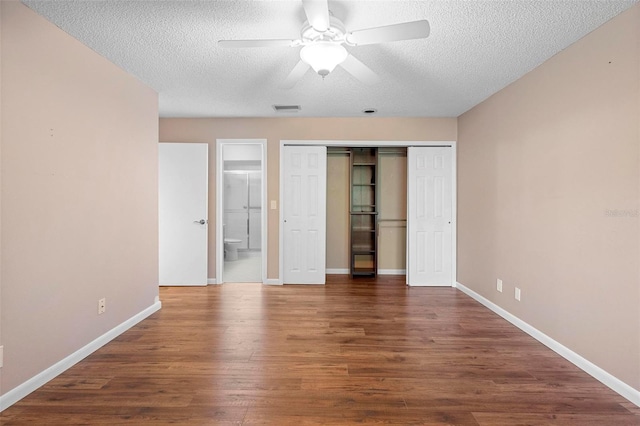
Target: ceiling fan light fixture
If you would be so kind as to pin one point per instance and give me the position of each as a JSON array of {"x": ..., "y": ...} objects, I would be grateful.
[{"x": 323, "y": 56}]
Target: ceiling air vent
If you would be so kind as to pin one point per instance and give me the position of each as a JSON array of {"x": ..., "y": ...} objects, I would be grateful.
[{"x": 287, "y": 108}]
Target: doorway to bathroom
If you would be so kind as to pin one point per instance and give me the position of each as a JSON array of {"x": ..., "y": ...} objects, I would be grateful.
[{"x": 240, "y": 213}]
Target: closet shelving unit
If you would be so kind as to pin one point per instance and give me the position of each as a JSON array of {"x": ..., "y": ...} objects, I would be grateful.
[{"x": 364, "y": 212}]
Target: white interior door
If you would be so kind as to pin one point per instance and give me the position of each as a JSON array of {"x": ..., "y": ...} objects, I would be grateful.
[
  {"x": 304, "y": 214},
  {"x": 429, "y": 227},
  {"x": 183, "y": 193}
]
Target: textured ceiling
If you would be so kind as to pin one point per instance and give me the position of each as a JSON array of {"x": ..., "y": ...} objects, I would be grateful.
[{"x": 475, "y": 49}]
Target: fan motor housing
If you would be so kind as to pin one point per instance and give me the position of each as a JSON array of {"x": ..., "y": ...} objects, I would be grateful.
[{"x": 336, "y": 32}]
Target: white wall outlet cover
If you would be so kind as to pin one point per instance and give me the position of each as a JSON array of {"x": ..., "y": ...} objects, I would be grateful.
[
  {"x": 517, "y": 294},
  {"x": 499, "y": 285},
  {"x": 274, "y": 205}
]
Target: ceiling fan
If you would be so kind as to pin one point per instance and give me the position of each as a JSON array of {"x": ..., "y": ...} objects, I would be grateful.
[{"x": 323, "y": 37}]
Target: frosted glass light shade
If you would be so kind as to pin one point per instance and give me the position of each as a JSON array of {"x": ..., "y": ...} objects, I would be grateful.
[{"x": 323, "y": 56}]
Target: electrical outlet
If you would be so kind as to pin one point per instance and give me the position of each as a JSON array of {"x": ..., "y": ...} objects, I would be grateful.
[
  {"x": 517, "y": 294},
  {"x": 499, "y": 285},
  {"x": 1, "y": 356},
  {"x": 102, "y": 305}
]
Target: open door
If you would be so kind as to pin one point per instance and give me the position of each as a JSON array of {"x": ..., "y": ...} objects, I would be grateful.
[
  {"x": 304, "y": 214},
  {"x": 182, "y": 213},
  {"x": 430, "y": 216}
]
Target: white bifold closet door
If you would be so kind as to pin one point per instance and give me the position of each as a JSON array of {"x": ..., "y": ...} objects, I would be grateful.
[
  {"x": 304, "y": 214},
  {"x": 430, "y": 210}
]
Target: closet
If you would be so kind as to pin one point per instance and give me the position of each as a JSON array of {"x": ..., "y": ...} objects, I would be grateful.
[
  {"x": 391, "y": 211},
  {"x": 366, "y": 210}
]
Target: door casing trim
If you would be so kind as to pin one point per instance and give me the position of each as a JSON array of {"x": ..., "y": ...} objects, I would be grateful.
[{"x": 220, "y": 205}]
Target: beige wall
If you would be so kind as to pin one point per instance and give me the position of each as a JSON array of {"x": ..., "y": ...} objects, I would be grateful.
[
  {"x": 392, "y": 247},
  {"x": 1, "y": 369},
  {"x": 79, "y": 195},
  {"x": 541, "y": 166},
  {"x": 338, "y": 211},
  {"x": 276, "y": 129},
  {"x": 638, "y": 175}
]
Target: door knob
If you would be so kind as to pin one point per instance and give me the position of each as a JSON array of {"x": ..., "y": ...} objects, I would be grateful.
[{"x": 201, "y": 221}]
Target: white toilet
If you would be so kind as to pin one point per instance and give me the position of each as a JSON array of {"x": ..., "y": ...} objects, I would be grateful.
[
  {"x": 230, "y": 245},
  {"x": 231, "y": 249}
]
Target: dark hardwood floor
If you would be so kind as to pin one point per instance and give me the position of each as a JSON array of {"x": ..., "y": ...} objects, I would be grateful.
[{"x": 350, "y": 352}]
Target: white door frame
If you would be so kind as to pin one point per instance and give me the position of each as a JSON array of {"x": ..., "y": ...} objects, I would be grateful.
[
  {"x": 220, "y": 205},
  {"x": 360, "y": 143}
]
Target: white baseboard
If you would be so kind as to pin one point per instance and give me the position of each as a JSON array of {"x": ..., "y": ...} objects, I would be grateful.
[
  {"x": 269, "y": 281},
  {"x": 337, "y": 271},
  {"x": 19, "y": 392},
  {"x": 587, "y": 366},
  {"x": 392, "y": 272}
]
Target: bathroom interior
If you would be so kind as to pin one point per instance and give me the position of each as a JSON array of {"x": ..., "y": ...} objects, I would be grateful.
[{"x": 242, "y": 213}]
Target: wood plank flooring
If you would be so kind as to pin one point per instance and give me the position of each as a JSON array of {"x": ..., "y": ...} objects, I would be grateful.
[{"x": 351, "y": 352}]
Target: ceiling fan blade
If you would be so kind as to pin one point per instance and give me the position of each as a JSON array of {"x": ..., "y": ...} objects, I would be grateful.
[
  {"x": 256, "y": 43},
  {"x": 295, "y": 75},
  {"x": 317, "y": 12},
  {"x": 396, "y": 32},
  {"x": 360, "y": 71}
]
